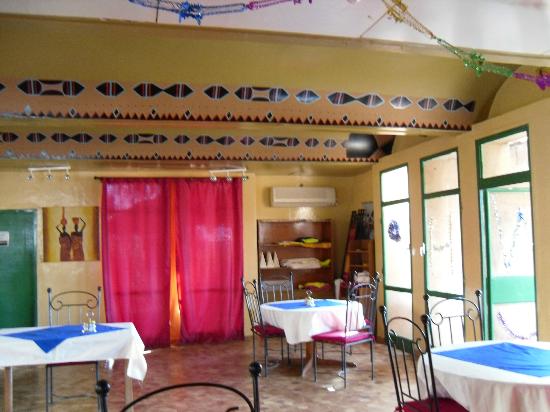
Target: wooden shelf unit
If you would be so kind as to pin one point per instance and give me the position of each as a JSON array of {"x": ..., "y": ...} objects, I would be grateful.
[
  {"x": 359, "y": 256},
  {"x": 272, "y": 232}
]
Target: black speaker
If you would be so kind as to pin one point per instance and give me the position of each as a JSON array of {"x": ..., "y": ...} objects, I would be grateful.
[{"x": 361, "y": 145}]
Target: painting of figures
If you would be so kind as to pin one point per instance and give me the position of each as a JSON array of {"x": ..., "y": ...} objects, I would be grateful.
[{"x": 71, "y": 234}]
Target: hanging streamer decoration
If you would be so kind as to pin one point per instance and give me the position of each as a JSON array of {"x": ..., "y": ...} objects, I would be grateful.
[
  {"x": 197, "y": 11},
  {"x": 474, "y": 60}
]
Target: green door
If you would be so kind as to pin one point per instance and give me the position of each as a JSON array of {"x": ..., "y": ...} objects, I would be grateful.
[{"x": 17, "y": 268}]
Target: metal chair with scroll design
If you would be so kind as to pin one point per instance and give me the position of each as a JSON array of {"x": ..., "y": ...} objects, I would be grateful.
[
  {"x": 257, "y": 325},
  {"x": 276, "y": 290},
  {"x": 412, "y": 368},
  {"x": 72, "y": 307},
  {"x": 255, "y": 369},
  {"x": 449, "y": 317},
  {"x": 359, "y": 327}
]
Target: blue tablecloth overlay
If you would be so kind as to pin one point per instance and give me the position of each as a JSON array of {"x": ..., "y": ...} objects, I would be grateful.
[
  {"x": 48, "y": 338},
  {"x": 302, "y": 304},
  {"x": 507, "y": 356}
]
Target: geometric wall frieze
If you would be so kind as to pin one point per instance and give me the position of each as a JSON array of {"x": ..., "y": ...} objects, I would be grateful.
[
  {"x": 50, "y": 87},
  {"x": 47, "y": 144},
  {"x": 105, "y": 99}
]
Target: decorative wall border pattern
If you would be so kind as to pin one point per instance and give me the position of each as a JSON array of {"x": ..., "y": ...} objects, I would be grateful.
[
  {"x": 182, "y": 101},
  {"x": 60, "y": 145}
]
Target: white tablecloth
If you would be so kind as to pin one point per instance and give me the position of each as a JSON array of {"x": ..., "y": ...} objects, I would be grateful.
[
  {"x": 301, "y": 324},
  {"x": 120, "y": 344},
  {"x": 480, "y": 388}
]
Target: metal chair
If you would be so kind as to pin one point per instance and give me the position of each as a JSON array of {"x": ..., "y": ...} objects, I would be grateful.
[
  {"x": 255, "y": 369},
  {"x": 412, "y": 368},
  {"x": 69, "y": 308},
  {"x": 359, "y": 327},
  {"x": 258, "y": 327},
  {"x": 275, "y": 290},
  {"x": 450, "y": 317}
]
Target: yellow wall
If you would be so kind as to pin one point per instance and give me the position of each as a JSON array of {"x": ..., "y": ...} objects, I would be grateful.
[
  {"x": 349, "y": 195},
  {"x": 83, "y": 190},
  {"x": 56, "y": 48},
  {"x": 536, "y": 117}
]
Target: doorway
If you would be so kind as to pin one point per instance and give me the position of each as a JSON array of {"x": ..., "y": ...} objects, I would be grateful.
[
  {"x": 507, "y": 236},
  {"x": 17, "y": 268}
]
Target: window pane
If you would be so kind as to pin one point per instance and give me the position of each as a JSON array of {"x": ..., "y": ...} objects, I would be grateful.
[
  {"x": 505, "y": 156},
  {"x": 448, "y": 330},
  {"x": 440, "y": 173},
  {"x": 400, "y": 304},
  {"x": 396, "y": 232},
  {"x": 514, "y": 321},
  {"x": 443, "y": 245},
  {"x": 395, "y": 184},
  {"x": 510, "y": 235}
]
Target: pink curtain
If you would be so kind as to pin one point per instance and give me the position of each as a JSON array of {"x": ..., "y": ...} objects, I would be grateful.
[
  {"x": 135, "y": 234},
  {"x": 209, "y": 258}
]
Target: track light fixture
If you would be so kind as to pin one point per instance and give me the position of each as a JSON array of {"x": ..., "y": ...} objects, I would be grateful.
[
  {"x": 228, "y": 172},
  {"x": 49, "y": 170}
]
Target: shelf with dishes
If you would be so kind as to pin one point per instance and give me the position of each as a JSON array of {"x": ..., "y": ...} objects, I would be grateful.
[{"x": 302, "y": 247}]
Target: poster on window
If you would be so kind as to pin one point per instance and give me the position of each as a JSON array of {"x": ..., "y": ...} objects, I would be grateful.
[{"x": 71, "y": 233}]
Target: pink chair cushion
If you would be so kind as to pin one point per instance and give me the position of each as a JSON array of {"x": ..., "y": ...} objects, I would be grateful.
[
  {"x": 340, "y": 338},
  {"x": 445, "y": 405},
  {"x": 268, "y": 330}
]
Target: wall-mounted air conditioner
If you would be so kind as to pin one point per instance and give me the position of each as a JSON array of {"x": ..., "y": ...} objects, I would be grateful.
[{"x": 302, "y": 196}]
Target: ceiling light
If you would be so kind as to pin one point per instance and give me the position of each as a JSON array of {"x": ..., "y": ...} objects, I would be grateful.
[
  {"x": 227, "y": 172},
  {"x": 49, "y": 170}
]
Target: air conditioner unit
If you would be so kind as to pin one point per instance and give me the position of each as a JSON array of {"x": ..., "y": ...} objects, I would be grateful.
[{"x": 302, "y": 196}]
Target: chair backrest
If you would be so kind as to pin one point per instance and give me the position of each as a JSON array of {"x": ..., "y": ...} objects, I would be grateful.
[
  {"x": 411, "y": 363},
  {"x": 252, "y": 300},
  {"x": 274, "y": 290},
  {"x": 366, "y": 293},
  {"x": 73, "y": 307},
  {"x": 195, "y": 403},
  {"x": 450, "y": 317}
]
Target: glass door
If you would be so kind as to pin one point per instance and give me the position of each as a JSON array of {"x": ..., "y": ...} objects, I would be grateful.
[
  {"x": 396, "y": 244},
  {"x": 442, "y": 227},
  {"x": 442, "y": 248},
  {"x": 505, "y": 196}
]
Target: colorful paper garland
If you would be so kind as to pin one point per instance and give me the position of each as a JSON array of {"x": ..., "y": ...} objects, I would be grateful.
[
  {"x": 474, "y": 60},
  {"x": 396, "y": 9}
]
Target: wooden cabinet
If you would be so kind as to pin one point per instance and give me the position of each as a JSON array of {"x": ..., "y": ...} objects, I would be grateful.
[{"x": 280, "y": 237}]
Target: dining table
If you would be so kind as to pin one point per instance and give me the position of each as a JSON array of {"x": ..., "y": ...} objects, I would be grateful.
[
  {"x": 503, "y": 376},
  {"x": 300, "y": 321},
  {"x": 31, "y": 346}
]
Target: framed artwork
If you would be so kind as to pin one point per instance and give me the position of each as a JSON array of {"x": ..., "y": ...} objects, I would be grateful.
[{"x": 71, "y": 233}]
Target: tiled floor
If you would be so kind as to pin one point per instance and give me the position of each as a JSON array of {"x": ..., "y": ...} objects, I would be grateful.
[{"x": 283, "y": 390}]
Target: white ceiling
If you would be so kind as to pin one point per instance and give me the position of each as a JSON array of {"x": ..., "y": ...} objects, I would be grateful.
[{"x": 519, "y": 27}]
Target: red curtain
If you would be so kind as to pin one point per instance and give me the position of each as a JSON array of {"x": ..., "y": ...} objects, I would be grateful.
[
  {"x": 135, "y": 234},
  {"x": 209, "y": 258}
]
